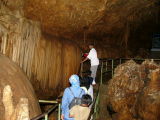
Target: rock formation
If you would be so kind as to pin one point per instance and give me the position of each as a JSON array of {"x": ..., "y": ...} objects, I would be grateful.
[
  {"x": 47, "y": 60},
  {"x": 18, "y": 100},
  {"x": 134, "y": 91},
  {"x": 20, "y": 112}
]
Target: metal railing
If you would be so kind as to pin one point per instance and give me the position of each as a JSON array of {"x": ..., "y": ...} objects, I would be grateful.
[
  {"x": 95, "y": 113},
  {"x": 45, "y": 115},
  {"x": 106, "y": 65}
]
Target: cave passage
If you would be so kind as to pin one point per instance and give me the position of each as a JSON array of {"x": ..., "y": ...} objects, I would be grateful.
[{"x": 42, "y": 43}]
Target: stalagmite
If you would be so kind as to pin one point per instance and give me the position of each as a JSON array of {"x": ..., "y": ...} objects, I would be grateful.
[
  {"x": 8, "y": 102},
  {"x": 17, "y": 97},
  {"x": 20, "y": 112}
]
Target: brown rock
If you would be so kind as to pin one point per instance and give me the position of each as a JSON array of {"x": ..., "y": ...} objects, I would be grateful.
[
  {"x": 123, "y": 89},
  {"x": 17, "y": 95},
  {"x": 48, "y": 61},
  {"x": 149, "y": 101}
]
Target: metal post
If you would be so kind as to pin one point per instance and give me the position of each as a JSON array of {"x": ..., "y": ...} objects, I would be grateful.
[
  {"x": 46, "y": 117},
  {"x": 59, "y": 111},
  {"x": 120, "y": 61},
  {"x": 112, "y": 67},
  {"x": 152, "y": 60},
  {"x": 106, "y": 65},
  {"x": 101, "y": 73},
  {"x": 81, "y": 69},
  {"x": 97, "y": 106}
]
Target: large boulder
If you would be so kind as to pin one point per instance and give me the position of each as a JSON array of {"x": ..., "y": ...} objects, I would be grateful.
[
  {"x": 17, "y": 97},
  {"x": 134, "y": 91}
]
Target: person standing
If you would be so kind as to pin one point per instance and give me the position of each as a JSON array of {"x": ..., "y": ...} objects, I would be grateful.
[
  {"x": 92, "y": 56},
  {"x": 82, "y": 111},
  {"x": 86, "y": 84},
  {"x": 68, "y": 96}
]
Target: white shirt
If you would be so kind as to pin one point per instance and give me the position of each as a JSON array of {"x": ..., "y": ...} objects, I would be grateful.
[
  {"x": 89, "y": 91},
  {"x": 93, "y": 57}
]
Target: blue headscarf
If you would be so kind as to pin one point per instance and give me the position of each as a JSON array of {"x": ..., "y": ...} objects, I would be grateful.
[
  {"x": 74, "y": 80},
  {"x": 68, "y": 96}
]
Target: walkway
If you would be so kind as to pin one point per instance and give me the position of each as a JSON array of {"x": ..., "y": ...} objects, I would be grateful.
[{"x": 106, "y": 66}]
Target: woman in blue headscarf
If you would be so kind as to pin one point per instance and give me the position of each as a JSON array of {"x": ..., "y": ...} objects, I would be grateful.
[{"x": 68, "y": 96}]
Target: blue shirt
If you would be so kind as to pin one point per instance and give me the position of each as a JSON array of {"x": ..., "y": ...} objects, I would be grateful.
[{"x": 68, "y": 97}]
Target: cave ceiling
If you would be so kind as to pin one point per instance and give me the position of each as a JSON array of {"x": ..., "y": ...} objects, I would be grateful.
[
  {"x": 96, "y": 18},
  {"x": 70, "y": 18}
]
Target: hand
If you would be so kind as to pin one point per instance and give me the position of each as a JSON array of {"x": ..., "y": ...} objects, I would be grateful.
[
  {"x": 62, "y": 117},
  {"x": 71, "y": 116}
]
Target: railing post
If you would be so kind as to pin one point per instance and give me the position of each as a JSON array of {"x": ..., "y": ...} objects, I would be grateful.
[
  {"x": 46, "y": 117},
  {"x": 81, "y": 70},
  {"x": 96, "y": 107},
  {"x": 120, "y": 61},
  {"x": 59, "y": 111},
  {"x": 101, "y": 72},
  {"x": 106, "y": 65},
  {"x": 93, "y": 114},
  {"x": 112, "y": 66},
  {"x": 152, "y": 60}
]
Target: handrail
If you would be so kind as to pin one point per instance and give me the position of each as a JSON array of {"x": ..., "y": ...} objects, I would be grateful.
[
  {"x": 48, "y": 101},
  {"x": 45, "y": 113},
  {"x": 103, "y": 65},
  {"x": 104, "y": 59},
  {"x": 113, "y": 63},
  {"x": 93, "y": 108}
]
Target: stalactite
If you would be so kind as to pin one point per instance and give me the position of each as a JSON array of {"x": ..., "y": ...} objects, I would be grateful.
[
  {"x": 19, "y": 43},
  {"x": 39, "y": 54}
]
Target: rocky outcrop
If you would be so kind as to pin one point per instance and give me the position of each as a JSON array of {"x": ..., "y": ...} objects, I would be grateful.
[{"x": 134, "y": 91}]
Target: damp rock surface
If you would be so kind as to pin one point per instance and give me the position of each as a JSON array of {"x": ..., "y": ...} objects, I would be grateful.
[
  {"x": 17, "y": 97},
  {"x": 134, "y": 91}
]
